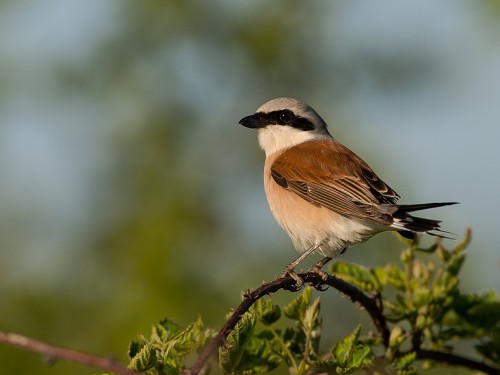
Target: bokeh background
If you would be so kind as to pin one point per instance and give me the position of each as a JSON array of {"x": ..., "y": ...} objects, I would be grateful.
[{"x": 128, "y": 191}]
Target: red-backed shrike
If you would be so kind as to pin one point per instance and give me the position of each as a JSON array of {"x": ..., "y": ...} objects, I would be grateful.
[{"x": 321, "y": 193}]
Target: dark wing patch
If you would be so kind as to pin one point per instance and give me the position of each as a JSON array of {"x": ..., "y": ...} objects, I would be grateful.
[
  {"x": 279, "y": 179},
  {"x": 379, "y": 188}
]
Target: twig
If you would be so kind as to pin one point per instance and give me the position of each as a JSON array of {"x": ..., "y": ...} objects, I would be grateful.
[{"x": 53, "y": 352}]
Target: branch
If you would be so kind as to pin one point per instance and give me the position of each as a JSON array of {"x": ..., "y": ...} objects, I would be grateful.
[
  {"x": 249, "y": 299},
  {"x": 356, "y": 295},
  {"x": 456, "y": 360},
  {"x": 58, "y": 353},
  {"x": 373, "y": 306}
]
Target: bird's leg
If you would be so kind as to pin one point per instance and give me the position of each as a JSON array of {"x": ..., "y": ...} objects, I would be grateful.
[
  {"x": 316, "y": 268},
  {"x": 289, "y": 270}
]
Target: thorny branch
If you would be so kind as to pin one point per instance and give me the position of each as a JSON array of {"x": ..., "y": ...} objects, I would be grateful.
[
  {"x": 356, "y": 295},
  {"x": 372, "y": 305}
]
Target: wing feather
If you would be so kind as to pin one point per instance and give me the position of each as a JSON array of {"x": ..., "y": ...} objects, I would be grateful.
[{"x": 328, "y": 174}]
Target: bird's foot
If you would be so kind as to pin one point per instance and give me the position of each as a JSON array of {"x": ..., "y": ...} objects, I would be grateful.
[
  {"x": 319, "y": 283},
  {"x": 299, "y": 282},
  {"x": 316, "y": 269}
]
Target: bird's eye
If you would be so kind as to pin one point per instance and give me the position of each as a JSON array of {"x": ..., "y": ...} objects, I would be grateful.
[{"x": 286, "y": 116}]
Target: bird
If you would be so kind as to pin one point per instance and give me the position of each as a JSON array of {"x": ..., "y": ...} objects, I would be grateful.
[{"x": 323, "y": 195}]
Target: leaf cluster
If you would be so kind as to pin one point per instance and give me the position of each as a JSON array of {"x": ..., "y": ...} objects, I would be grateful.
[
  {"x": 422, "y": 301},
  {"x": 252, "y": 351},
  {"x": 165, "y": 351},
  {"x": 417, "y": 307}
]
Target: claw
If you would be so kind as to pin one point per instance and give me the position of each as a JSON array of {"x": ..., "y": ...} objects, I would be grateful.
[
  {"x": 323, "y": 276},
  {"x": 320, "y": 287},
  {"x": 299, "y": 282}
]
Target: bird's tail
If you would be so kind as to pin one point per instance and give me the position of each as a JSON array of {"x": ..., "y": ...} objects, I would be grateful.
[{"x": 408, "y": 225}]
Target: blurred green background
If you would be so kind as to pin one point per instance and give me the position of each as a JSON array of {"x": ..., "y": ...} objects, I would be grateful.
[{"x": 128, "y": 191}]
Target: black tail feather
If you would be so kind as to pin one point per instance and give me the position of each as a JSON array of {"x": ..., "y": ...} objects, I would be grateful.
[
  {"x": 422, "y": 206},
  {"x": 413, "y": 224},
  {"x": 407, "y": 234}
]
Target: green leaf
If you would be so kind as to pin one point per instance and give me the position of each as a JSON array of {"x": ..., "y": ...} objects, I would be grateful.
[
  {"x": 397, "y": 337},
  {"x": 311, "y": 325},
  {"x": 311, "y": 318},
  {"x": 164, "y": 329},
  {"x": 295, "y": 340},
  {"x": 362, "y": 357},
  {"x": 429, "y": 250},
  {"x": 461, "y": 246},
  {"x": 442, "y": 253},
  {"x": 454, "y": 263},
  {"x": 231, "y": 353},
  {"x": 296, "y": 309},
  {"x": 403, "y": 364},
  {"x": 261, "y": 354},
  {"x": 421, "y": 296},
  {"x": 380, "y": 275},
  {"x": 347, "y": 356},
  {"x": 343, "y": 350},
  {"x": 357, "y": 275},
  {"x": 396, "y": 277},
  {"x": 394, "y": 312},
  {"x": 168, "y": 345},
  {"x": 328, "y": 366},
  {"x": 423, "y": 321},
  {"x": 479, "y": 310},
  {"x": 407, "y": 255},
  {"x": 266, "y": 311},
  {"x": 144, "y": 360},
  {"x": 185, "y": 341},
  {"x": 134, "y": 348},
  {"x": 407, "y": 241}
]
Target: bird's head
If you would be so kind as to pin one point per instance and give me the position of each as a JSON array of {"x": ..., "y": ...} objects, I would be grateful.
[{"x": 285, "y": 122}]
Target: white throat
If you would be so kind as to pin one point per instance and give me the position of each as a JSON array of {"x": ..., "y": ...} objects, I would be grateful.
[{"x": 276, "y": 138}]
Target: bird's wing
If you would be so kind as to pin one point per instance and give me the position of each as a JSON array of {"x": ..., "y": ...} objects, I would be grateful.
[{"x": 328, "y": 174}]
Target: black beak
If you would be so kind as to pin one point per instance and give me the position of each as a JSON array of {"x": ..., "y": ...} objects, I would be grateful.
[{"x": 254, "y": 121}]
